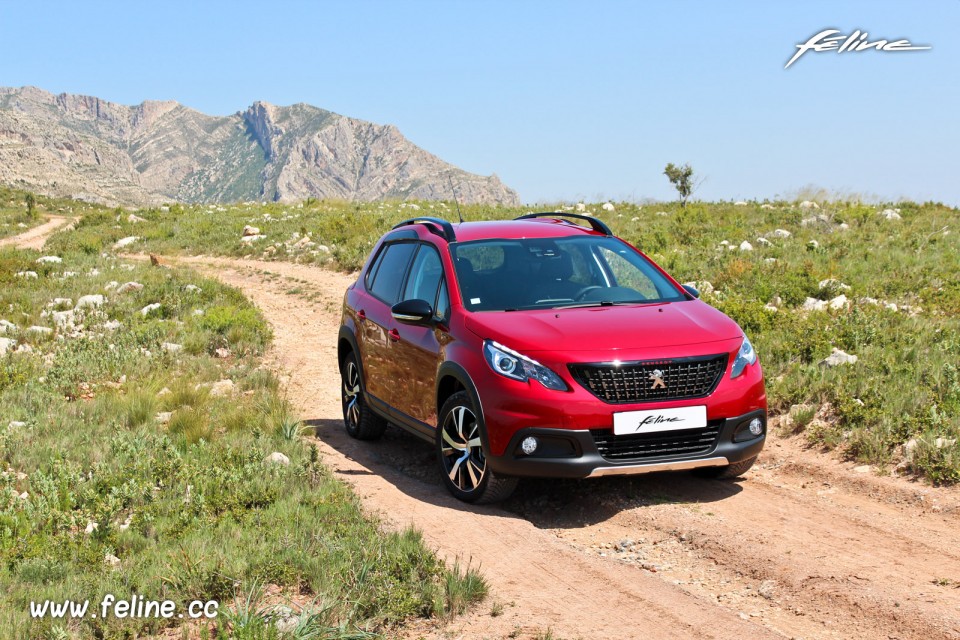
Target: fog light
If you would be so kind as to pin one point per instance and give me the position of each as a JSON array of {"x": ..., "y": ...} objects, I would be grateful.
[
  {"x": 756, "y": 426},
  {"x": 529, "y": 445}
]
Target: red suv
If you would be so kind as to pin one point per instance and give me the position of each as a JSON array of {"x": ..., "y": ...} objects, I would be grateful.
[{"x": 539, "y": 347}]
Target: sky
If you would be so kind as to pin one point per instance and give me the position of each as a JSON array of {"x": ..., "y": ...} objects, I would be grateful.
[{"x": 562, "y": 100}]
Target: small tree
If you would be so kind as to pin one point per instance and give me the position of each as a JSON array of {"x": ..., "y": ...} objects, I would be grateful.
[
  {"x": 682, "y": 180},
  {"x": 31, "y": 201}
]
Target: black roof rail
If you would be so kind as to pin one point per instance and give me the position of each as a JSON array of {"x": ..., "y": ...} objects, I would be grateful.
[
  {"x": 596, "y": 224},
  {"x": 438, "y": 226}
]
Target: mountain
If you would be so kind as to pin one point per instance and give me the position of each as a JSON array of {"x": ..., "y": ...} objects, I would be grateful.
[{"x": 91, "y": 149}]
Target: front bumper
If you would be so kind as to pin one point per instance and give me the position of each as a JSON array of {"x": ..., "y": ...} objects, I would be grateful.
[{"x": 565, "y": 453}]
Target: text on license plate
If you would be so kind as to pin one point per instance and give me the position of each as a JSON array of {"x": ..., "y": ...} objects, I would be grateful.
[{"x": 626, "y": 422}]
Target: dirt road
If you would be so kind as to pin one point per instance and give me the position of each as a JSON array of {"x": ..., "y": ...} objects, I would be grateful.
[
  {"x": 34, "y": 238},
  {"x": 803, "y": 547}
]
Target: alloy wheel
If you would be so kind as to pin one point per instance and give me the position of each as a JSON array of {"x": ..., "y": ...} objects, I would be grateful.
[{"x": 461, "y": 449}]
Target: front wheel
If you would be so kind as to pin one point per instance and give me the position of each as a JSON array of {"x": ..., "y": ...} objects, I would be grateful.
[
  {"x": 461, "y": 457},
  {"x": 734, "y": 470},
  {"x": 359, "y": 420}
]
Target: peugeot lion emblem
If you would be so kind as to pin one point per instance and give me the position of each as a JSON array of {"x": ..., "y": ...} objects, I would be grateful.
[{"x": 657, "y": 377}]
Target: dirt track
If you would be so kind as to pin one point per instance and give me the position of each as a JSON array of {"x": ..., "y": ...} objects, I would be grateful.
[
  {"x": 803, "y": 547},
  {"x": 34, "y": 238}
]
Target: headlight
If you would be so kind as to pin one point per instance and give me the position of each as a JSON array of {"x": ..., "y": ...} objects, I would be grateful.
[
  {"x": 511, "y": 364},
  {"x": 746, "y": 356}
]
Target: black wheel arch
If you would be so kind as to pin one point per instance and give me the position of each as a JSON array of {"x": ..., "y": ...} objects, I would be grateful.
[{"x": 451, "y": 378}]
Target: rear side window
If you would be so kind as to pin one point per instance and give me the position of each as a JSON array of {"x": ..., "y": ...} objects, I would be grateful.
[
  {"x": 425, "y": 275},
  {"x": 390, "y": 271}
]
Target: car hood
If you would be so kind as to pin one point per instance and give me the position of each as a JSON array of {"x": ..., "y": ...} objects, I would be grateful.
[{"x": 633, "y": 327}]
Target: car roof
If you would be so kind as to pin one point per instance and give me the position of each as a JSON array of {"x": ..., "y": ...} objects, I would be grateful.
[{"x": 514, "y": 229}]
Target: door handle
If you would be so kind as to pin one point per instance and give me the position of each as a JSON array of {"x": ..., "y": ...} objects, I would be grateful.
[
  {"x": 394, "y": 335},
  {"x": 361, "y": 315}
]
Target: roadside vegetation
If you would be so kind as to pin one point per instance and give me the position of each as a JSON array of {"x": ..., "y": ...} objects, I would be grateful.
[
  {"x": 146, "y": 450},
  {"x": 881, "y": 282},
  {"x": 22, "y": 210}
]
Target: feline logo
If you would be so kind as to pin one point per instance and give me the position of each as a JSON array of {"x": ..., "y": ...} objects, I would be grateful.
[{"x": 856, "y": 41}]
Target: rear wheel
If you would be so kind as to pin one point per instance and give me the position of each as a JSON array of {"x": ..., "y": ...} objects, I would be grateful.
[
  {"x": 359, "y": 420},
  {"x": 734, "y": 470},
  {"x": 461, "y": 457}
]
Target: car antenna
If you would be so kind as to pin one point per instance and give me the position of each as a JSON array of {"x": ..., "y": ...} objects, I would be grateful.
[{"x": 455, "y": 200}]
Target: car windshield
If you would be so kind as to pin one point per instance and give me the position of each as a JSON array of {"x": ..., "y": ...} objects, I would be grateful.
[{"x": 550, "y": 273}]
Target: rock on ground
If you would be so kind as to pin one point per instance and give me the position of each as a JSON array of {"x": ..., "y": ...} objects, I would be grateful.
[{"x": 838, "y": 358}]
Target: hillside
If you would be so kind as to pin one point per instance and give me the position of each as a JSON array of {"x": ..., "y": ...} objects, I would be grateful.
[{"x": 90, "y": 149}]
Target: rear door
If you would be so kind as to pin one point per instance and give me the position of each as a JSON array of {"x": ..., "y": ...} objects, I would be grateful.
[{"x": 381, "y": 370}]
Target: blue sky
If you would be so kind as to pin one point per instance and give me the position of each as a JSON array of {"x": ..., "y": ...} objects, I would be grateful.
[{"x": 563, "y": 100}]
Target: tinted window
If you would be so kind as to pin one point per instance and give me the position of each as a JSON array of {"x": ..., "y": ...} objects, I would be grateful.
[
  {"x": 544, "y": 273},
  {"x": 443, "y": 303},
  {"x": 425, "y": 275},
  {"x": 389, "y": 276}
]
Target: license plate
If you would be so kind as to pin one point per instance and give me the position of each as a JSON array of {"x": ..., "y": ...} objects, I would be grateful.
[{"x": 627, "y": 422}]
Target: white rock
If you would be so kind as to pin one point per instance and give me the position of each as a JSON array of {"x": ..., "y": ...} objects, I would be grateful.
[
  {"x": 125, "y": 242},
  {"x": 662, "y": 213},
  {"x": 322, "y": 248},
  {"x": 277, "y": 458},
  {"x": 764, "y": 242},
  {"x": 24, "y": 496},
  {"x": 837, "y": 358},
  {"x": 700, "y": 285},
  {"x": 607, "y": 206},
  {"x": 843, "y": 226},
  {"x": 864, "y": 468},
  {"x": 91, "y": 527},
  {"x": 6, "y": 344},
  {"x": 767, "y": 206},
  {"x": 634, "y": 219},
  {"x": 890, "y": 306},
  {"x": 839, "y": 302},
  {"x": 724, "y": 243},
  {"x": 44, "y": 331},
  {"x": 68, "y": 274},
  {"x": 23, "y": 348},
  {"x": 812, "y": 304},
  {"x": 91, "y": 301},
  {"x": 807, "y": 204},
  {"x": 197, "y": 312},
  {"x": 150, "y": 308},
  {"x": 49, "y": 260},
  {"x": 112, "y": 325},
  {"x": 833, "y": 283},
  {"x": 770, "y": 260},
  {"x": 813, "y": 244},
  {"x": 29, "y": 275},
  {"x": 133, "y": 218},
  {"x": 111, "y": 560},
  {"x": 60, "y": 302},
  {"x": 891, "y": 214},
  {"x": 252, "y": 238},
  {"x": 16, "y": 424},
  {"x": 941, "y": 443},
  {"x": 163, "y": 417},
  {"x": 781, "y": 233},
  {"x": 164, "y": 392},
  {"x": 193, "y": 288},
  {"x": 581, "y": 207},
  {"x": 770, "y": 307},
  {"x": 740, "y": 203},
  {"x": 251, "y": 231},
  {"x": 746, "y": 246},
  {"x": 171, "y": 347},
  {"x": 113, "y": 284},
  {"x": 867, "y": 300},
  {"x": 126, "y": 287},
  {"x": 222, "y": 388},
  {"x": 63, "y": 319}
]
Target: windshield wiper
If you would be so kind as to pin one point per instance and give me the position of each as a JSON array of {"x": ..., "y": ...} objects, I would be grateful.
[{"x": 581, "y": 305}]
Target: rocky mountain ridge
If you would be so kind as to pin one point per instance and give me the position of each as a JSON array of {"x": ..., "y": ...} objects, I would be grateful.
[{"x": 161, "y": 151}]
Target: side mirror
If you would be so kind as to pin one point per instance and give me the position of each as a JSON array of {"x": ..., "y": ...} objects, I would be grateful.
[
  {"x": 691, "y": 291},
  {"x": 416, "y": 312}
]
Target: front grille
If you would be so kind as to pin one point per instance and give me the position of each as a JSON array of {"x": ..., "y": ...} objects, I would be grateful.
[
  {"x": 634, "y": 446},
  {"x": 632, "y": 382}
]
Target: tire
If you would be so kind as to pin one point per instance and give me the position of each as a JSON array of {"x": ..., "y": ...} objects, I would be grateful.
[
  {"x": 358, "y": 419},
  {"x": 734, "y": 470},
  {"x": 460, "y": 454}
]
